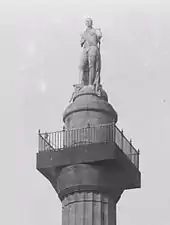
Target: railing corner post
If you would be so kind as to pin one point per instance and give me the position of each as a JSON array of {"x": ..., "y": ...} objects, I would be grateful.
[
  {"x": 138, "y": 151},
  {"x": 122, "y": 138},
  {"x": 130, "y": 146},
  {"x": 114, "y": 132}
]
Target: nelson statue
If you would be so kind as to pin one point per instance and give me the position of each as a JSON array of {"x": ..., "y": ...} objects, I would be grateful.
[{"x": 90, "y": 64}]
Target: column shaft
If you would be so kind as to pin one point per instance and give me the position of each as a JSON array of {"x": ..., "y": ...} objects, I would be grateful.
[{"x": 88, "y": 208}]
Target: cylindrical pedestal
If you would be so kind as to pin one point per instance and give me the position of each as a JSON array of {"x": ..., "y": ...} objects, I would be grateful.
[
  {"x": 88, "y": 108},
  {"x": 88, "y": 208}
]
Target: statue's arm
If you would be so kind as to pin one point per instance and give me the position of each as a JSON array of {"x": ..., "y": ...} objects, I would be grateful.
[
  {"x": 82, "y": 40},
  {"x": 99, "y": 34}
]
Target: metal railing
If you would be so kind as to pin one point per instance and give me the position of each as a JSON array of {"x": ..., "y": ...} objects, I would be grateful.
[{"x": 104, "y": 133}]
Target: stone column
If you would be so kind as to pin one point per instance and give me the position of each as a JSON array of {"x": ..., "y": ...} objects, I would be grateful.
[{"x": 88, "y": 208}]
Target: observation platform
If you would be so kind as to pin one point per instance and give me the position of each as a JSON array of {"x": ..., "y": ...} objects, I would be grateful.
[{"x": 100, "y": 145}]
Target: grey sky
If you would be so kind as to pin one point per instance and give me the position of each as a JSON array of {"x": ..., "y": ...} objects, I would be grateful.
[{"x": 39, "y": 53}]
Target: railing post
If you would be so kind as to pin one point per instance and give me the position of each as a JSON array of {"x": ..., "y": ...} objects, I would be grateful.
[
  {"x": 114, "y": 131},
  {"x": 122, "y": 139},
  {"x": 52, "y": 139},
  {"x": 58, "y": 139},
  {"x": 55, "y": 140},
  {"x": 44, "y": 143},
  {"x": 138, "y": 153},
  {"x": 64, "y": 137},
  {"x": 95, "y": 133},
  {"x": 88, "y": 132},
  {"x": 131, "y": 149}
]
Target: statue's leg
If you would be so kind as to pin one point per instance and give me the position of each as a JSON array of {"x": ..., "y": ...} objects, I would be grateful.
[
  {"x": 99, "y": 63},
  {"x": 98, "y": 68},
  {"x": 83, "y": 61},
  {"x": 92, "y": 64},
  {"x": 86, "y": 74}
]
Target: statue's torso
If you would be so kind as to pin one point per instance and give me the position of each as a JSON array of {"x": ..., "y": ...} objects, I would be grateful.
[{"x": 90, "y": 37}]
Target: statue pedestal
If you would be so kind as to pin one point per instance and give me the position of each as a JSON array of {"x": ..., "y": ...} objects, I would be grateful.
[
  {"x": 81, "y": 89},
  {"x": 88, "y": 107}
]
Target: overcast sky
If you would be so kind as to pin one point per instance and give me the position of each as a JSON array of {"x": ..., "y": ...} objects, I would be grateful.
[{"x": 39, "y": 58}]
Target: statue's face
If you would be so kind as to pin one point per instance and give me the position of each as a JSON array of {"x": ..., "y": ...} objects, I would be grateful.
[{"x": 89, "y": 22}]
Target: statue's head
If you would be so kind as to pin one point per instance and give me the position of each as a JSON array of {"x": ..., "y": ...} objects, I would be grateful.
[{"x": 89, "y": 22}]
